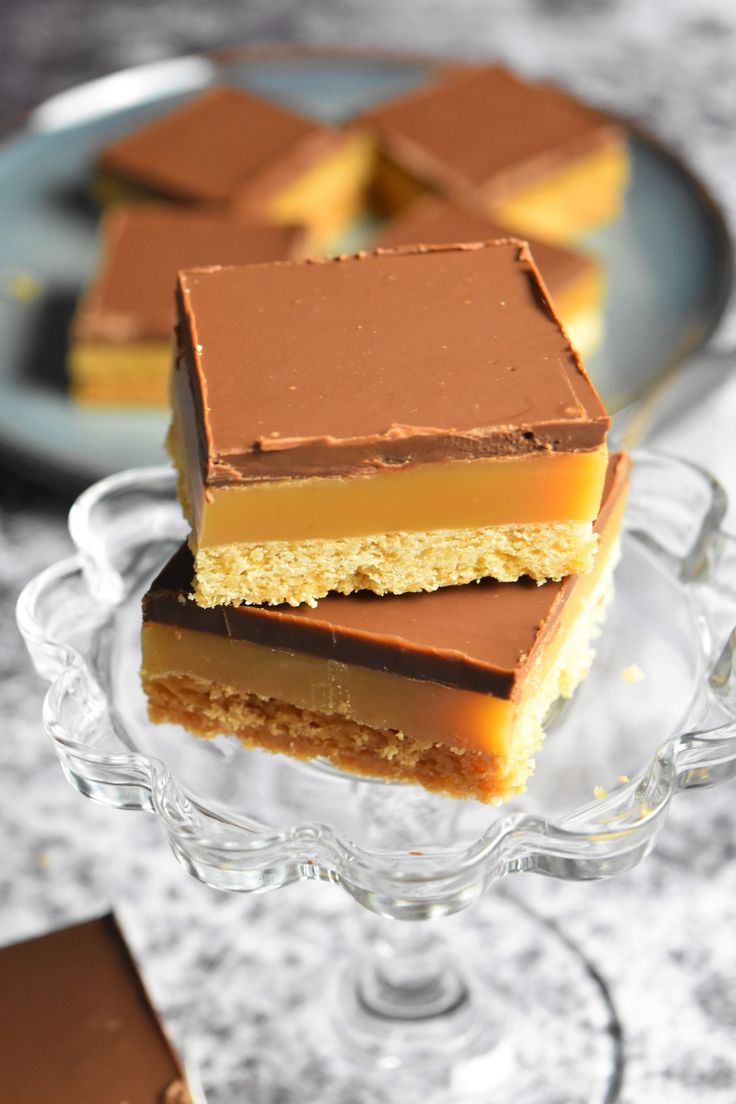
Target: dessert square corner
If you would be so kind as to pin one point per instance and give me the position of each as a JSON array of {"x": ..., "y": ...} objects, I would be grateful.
[
  {"x": 121, "y": 334},
  {"x": 555, "y": 168}
]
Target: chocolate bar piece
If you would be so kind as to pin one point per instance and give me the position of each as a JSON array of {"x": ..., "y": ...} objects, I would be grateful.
[
  {"x": 530, "y": 156},
  {"x": 394, "y": 421},
  {"x": 122, "y": 332},
  {"x": 78, "y": 1026},
  {"x": 575, "y": 279},
  {"x": 449, "y": 690},
  {"x": 235, "y": 152}
]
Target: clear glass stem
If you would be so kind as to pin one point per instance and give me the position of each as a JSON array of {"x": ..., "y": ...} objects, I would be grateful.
[
  {"x": 404, "y": 1002},
  {"x": 409, "y": 975}
]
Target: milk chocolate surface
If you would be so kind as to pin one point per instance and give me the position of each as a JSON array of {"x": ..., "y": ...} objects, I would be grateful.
[
  {"x": 358, "y": 363},
  {"x": 77, "y": 1024},
  {"x": 487, "y": 128},
  {"x": 431, "y": 220},
  {"x": 143, "y": 248},
  {"x": 210, "y": 148},
  {"x": 475, "y": 637}
]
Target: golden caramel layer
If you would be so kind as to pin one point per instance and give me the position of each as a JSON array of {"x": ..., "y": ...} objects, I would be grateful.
[
  {"x": 456, "y": 494},
  {"x": 329, "y": 194},
  {"x": 121, "y": 374},
  {"x": 569, "y": 201},
  {"x": 375, "y": 698}
]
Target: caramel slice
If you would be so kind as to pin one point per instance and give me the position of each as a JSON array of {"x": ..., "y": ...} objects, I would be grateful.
[
  {"x": 529, "y": 155},
  {"x": 574, "y": 279},
  {"x": 394, "y": 421},
  {"x": 122, "y": 332},
  {"x": 449, "y": 690},
  {"x": 78, "y": 1025},
  {"x": 230, "y": 150}
]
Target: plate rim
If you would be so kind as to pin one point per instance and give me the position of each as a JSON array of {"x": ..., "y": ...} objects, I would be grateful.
[{"x": 17, "y": 459}]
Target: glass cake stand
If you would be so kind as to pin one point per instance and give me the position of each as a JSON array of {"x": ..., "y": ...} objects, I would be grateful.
[{"x": 519, "y": 1015}]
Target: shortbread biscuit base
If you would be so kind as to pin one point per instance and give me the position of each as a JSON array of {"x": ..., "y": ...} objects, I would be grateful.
[{"x": 292, "y": 572}]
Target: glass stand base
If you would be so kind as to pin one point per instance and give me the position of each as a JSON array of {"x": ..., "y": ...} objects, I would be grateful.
[{"x": 532, "y": 1025}]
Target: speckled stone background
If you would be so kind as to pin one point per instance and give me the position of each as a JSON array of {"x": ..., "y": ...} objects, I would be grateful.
[{"x": 663, "y": 937}]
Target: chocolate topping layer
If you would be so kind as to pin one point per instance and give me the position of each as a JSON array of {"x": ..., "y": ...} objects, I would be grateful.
[
  {"x": 143, "y": 248},
  {"x": 354, "y": 364},
  {"x": 487, "y": 128},
  {"x": 431, "y": 220},
  {"x": 77, "y": 1024},
  {"x": 475, "y": 637},
  {"x": 210, "y": 148}
]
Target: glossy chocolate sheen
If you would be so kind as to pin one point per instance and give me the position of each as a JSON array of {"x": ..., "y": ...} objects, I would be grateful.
[
  {"x": 434, "y": 221},
  {"x": 354, "y": 364},
  {"x": 77, "y": 1024},
  {"x": 474, "y": 637},
  {"x": 487, "y": 128},
  {"x": 144, "y": 246},
  {"x": 212, "y": 147}
]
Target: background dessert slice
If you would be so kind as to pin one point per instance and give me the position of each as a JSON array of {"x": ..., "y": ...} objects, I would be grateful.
[
  {"x": 78, "y": 1025},
  {"x": 449, "y": 690},
  {"x": 574, "y": 279},
  {"x": 394, "y": 421},
  {"x": 236, "y": 152},
  {"x": 121, "y": 336},
  {"x": 530, "y": 155}
]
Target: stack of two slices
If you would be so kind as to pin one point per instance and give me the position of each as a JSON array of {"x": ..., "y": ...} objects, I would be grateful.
[{"x": 404, "y": 516}]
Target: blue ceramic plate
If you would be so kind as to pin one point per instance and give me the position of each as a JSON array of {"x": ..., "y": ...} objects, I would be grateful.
[{"x": 668, "y": 258}]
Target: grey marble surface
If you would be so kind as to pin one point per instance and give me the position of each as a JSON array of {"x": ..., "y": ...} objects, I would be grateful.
[{"x": 662, "y": 936}]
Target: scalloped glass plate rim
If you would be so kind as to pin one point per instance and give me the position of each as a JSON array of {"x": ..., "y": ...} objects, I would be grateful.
[{"x": 628, "y": 819}]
